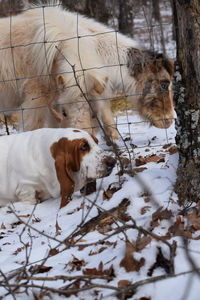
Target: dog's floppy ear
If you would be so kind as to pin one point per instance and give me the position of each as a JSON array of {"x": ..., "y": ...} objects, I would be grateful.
[
  {"x": 58, "y": 116},
  {"x": 63, "y": 165},
  {"x": 96, "y": 84}
]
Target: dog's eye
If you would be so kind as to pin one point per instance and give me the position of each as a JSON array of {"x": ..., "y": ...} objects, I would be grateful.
[
  {"x": 64, "y": 113},
  {"x": 85, "y": 147},
  {"x": 164, "y": 85}
]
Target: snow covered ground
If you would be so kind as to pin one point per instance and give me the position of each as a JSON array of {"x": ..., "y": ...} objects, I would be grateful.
[
  {"x": 122, "y": 242},
  {"x": 129, "y": 240}
]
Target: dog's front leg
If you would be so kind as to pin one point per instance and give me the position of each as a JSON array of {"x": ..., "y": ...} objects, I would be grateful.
[
  {"x": 108, "y": 120},
  {"x": 26, "y": 193}
]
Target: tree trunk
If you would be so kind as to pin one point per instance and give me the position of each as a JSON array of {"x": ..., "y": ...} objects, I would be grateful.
[
  {"x": 126, "y": 17},
  {"x": 97, "y": 9},
  {"x": 187, "y": 98}
]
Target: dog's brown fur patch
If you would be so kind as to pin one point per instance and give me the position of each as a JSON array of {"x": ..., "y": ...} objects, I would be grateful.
[{"x": 153, "y": 99}]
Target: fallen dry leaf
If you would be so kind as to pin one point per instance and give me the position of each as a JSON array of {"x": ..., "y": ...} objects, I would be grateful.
[
  {"x": 58, "y": 229},
  {"x": 186, "y": 225},
  {"x": 166, "y": 146},
  {"x": 152, "y": 158},
  {"x": 100, "y": 271},
  {"x": 144, "y": 298},
  {"x": 18, "y": 250},
  {"x": 74, "y": 287},
  {"x": 159, "y": 215},
  {"x": 129, "y": 262},
  {"x": 173, "y": 150},
  {"x": 194, "y": 219},
  {"x": 147, "y": 199},
  {"x": 139, "y": 170},
  {"x": 177, "y": 229},
  {"x": 53, "y": 252},
  {"x": 24, "y": 216},
  {"x": 15, "y": 224},
  {"x": 145, "y": 209},
  {"x": 141, "y": 243},
  {"x": 3, "y": 226},
  {"x": 126, "y": 162},
  {"x": 123, "y": 283},
  {"x": 98, "y": 251},
  {"x": 112, "y": 188},
  {"x": 76, "y": 264},
  {"x": 36, "y": 269},
  {"x": 36, "y": 220}
]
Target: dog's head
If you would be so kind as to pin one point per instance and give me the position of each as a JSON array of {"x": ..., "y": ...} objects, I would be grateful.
[
  {"x": 79, "y": 161},
  {"x": 153, "y": 74}
]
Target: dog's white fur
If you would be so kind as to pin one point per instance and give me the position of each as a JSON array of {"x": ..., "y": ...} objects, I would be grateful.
[
  {"x": 28, "y": 169},
  {"x": 99, "y": 56},
  {"x": 46, "y": 50}
]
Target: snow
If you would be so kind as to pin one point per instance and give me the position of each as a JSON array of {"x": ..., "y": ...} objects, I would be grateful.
[
  {"x": 28, "y": 245},
  {"x": 28, "y": 233}
]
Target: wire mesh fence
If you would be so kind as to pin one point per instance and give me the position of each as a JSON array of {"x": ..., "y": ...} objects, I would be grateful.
[{"x": 60, "y": 70}]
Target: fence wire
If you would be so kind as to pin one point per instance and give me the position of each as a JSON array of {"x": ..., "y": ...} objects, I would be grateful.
[{"x": 23, "y": 280}]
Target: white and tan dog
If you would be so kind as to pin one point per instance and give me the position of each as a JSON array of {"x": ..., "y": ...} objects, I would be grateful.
[
  {"x": 37, "y": 51},
  {"x": 45, "y": 163}
]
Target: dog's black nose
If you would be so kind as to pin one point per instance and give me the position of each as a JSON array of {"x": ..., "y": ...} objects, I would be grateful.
[{"x": 110, "y": 163}]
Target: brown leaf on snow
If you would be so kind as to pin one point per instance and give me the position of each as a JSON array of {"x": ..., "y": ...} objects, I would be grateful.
[
  {"x": 3, "y": 226},
  {"x": 104, "y": 218},
  {"x": 145, "y": 209},
  {"x": 100, "y": 271},
  {"x": 194, "y": 219},
  {"x": 41, "y": 295},
  {"x": 36, "y": 296},
  {"x": 112, "y": 188},
  {"x": 139, "y": 170},
  {"x": 98, "y": 251},
  {"x": 140, "y": 161},
  {"x": 18, "y": 250},
  {"x": 58, "y": 229},
  {"x": 125, "y": 161},
  {"x": 15, "y": 224},
  {"x": 147, "y": 199},
  {"x": 53, "y": 252},
  {"x": 141, "y": 243},
  {"x": 173, "y": 150},
  {"x": 36, "y": 220},
  {"x": 159, "y": 215},
  {"x": 129, "y": 262},
  {"x": 166, "y": 146},
  {"x": 186, "y": 225},
  {"x": 105, "y": 225},
  {"x": 76, "y": 264},
  {"x": 144, "y": 298},
  {"x": 24, "y": 216},
  {"x": 152, "y": 158},
  {"x": 75, "y": 286},
  {"x": 108, "y": 243},
  {"x": 44, "y": 269},
  {"x": 36, "y": 269},
  {"x": 123, "y": 283}
]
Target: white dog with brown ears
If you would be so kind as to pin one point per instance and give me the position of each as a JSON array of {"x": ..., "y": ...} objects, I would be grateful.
[
  {"x": 44, "y": 163},
  {"x": 45, "y": 51}
]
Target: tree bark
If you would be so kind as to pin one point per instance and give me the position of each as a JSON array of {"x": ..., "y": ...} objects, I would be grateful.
[
  {"x": 187, "y": 99},
  {"x": 126, "y": 17}
]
